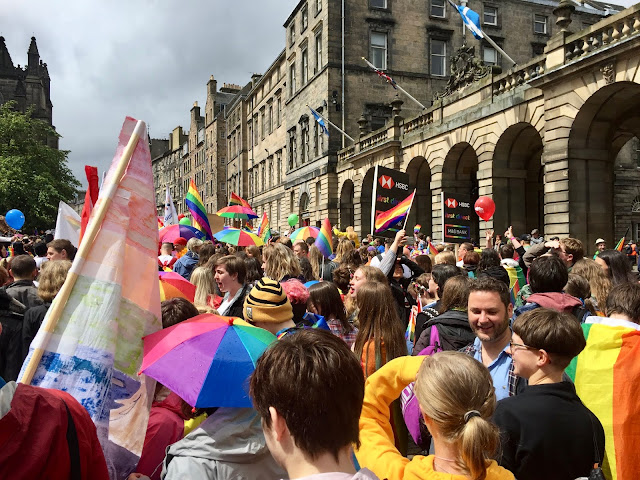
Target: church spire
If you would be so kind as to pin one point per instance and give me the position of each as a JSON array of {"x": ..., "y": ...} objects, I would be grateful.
[
  {"x": 34, "y": 57},
  {"x": 6, "y": 64}
]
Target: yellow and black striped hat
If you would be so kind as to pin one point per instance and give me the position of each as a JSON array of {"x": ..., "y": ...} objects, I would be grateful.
[{"x": 267, "y": 302}]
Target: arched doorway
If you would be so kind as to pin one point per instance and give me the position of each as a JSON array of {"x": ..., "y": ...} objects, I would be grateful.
[
  {"x": 460, "y": 175},
  {"x": 420, "y": 178},
  {"x": 605, "y": 123},
  {"x": 366, "y": 190},
  {"x": 303, "y": 216},
  {"x": 517, "y": 177},
  {"x": 346, "y": 205}
]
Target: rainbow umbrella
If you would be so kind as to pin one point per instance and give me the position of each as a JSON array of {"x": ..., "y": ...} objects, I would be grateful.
[
  {"x": 303, "y": 233},
  {"x": 206, "y": 360},
  {"x": 237, "y": 211},
  {"x": 170, "y": 233},
  {"x": 236, "y": 236},
  {"x": 174, "y": 285}
]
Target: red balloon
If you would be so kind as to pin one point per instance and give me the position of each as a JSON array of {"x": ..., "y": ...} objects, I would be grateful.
[
  {"x": 485, "y": 207},
  {"x": 181, "y": 216}
]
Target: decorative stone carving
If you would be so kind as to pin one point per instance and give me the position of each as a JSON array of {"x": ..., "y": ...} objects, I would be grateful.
[
  {"x": 466, "y": 69},
  {"x": 563, "y": 12},
  {"x": 609, "y": 73}
]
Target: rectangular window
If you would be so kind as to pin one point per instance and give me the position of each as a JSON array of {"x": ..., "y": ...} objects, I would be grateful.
[
  {"x": 292, "y": 34},
  {"x": 490, "y": 16},
  {"x": 263, "y": 125},
  {"x": 318, "y": 6},
  {"x": 378, "y": 3},
  {"x": 305, "y": 18},
  {"x": 279, "y": 167},
  {"x": 292, "y": 147},
  {"x": 292, "y": 79},
  {"x": 292, "y": 202},
  {"x": 438, "y": 58},
  {"x": 305, "y": 66},
  {"x": 489, "y": 55},
  {"x": 278, "y": 111},
  {"x": 270, "y": 120},
  {"x": 318, "y": 188},
  {"x": 318, "y": 52},
  {"x": 379, "y": 50},
  {"x": 438, "y": 8},
  {"x": 540, "y": 24}
]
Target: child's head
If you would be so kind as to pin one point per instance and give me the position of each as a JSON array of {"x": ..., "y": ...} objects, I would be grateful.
[
  {"x": 166, "y": 248},
  {"x": 308, "y": 388}
]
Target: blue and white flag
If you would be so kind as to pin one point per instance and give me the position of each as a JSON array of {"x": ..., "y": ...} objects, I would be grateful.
[
  {"x": 321, "y": 121},
  {"x": 470, "y": 18},
  {"x": 170, "y": 214}
]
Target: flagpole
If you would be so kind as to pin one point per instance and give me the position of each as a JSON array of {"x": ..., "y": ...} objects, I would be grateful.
[
  {"x": 333, "y": 125},
  {"x": 495, "y": 45},
  {"x": 397, "y": 86},
  {"x": 404, "y": 227},
  {"x": 60, "y": 301}
]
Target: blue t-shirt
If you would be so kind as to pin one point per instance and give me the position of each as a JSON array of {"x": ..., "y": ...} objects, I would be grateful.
[{"x": 499, "y": 369}]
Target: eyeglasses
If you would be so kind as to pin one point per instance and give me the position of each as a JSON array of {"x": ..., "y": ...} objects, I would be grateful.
[{"x": 521, "y": 345}]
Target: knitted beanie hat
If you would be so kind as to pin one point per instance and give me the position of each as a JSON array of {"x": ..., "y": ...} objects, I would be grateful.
[{"x": 267, "y": 302}]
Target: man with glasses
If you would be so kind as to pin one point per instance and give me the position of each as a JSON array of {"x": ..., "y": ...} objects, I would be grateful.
[{"x": 546, "y": 431}]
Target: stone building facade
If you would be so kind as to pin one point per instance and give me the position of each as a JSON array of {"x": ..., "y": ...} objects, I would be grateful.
[{"x": 29, "y": 86}]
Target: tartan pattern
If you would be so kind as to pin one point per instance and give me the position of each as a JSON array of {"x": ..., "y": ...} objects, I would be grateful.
[{"x": 512, "y": 379}]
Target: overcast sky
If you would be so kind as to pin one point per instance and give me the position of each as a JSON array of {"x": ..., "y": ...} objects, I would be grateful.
[{"x": 149, "y": 59}]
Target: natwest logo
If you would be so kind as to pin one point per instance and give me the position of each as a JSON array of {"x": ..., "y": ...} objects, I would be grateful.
[
  {"x": 386, "y": 182},
  {"x": 452, "y": 203}
]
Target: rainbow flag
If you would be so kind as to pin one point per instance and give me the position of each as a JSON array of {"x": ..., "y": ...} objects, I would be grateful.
[
  {"x": 411, "y": 328},
  {"x": 237, "y": 200},
  {"x": 606, "y": 374},
  {"x": 324, "y": 240},
  {"x": 432, "y": 248},
  {"x": 417, "y": 228},
  {"x": 384, "y": 220},
  {"x": 198, "y": 213},
  {"x": 264, "y": 230},
  {"x": 620, "y": 244},
  {"x": 95, "y": 351}
]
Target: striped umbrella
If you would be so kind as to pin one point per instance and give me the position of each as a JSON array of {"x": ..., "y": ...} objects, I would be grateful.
[
  {"x": 236, "y": 236},
  {"x": 173, "y": 285},
  {"x": 170, "y": 233},
  {"x": 237, "y": 211},
  {"x": 303, "y": 233}
]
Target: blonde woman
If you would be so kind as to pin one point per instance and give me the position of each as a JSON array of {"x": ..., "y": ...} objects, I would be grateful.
[
  {"x": 202, "y": 278},
  {"x": 280, "y": 263},
  {"x": 315, "y": 259},
  {"x": 344, "y": 247},
  {"x": 51, "y": 279},
  {"x": 456, "y": 397},
  {"x": 598, "y": 281}
]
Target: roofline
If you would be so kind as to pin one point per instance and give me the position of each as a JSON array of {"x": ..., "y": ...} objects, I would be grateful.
[{"x": 293, "y": 13}]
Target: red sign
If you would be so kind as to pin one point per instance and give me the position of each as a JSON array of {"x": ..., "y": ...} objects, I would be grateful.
[
  {"x": 386, "y": 182},
  {"x": 452, "y": 203}
]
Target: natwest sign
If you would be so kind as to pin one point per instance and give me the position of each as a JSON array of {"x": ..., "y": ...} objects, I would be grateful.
[{"x": 386, "y": 181}]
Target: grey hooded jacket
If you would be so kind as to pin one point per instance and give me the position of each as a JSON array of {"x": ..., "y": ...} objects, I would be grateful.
[{"x": 228, "y": 445}]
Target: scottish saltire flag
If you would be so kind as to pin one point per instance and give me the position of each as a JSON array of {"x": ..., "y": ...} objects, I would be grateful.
[
  {"x": 470, "y": 18},
  {"x": 198, "y": 213},
  {"x": 170, "y": 214},
  {"x": 68, "y": 224},
  {"x": 264, "y": 230},
  {"x": 95, "y": 350},
  {"x": 324, "y": 240},
  {"x": 321, "y": 121},
  {"x": 606, "y": 374},
  {"x": 384, "y": 220}
]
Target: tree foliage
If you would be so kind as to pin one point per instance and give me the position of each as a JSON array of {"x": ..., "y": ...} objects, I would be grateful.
[{"x": 33, "y": 176}]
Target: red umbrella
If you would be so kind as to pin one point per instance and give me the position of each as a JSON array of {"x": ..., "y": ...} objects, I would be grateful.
[{"x": 174, "y": 285}]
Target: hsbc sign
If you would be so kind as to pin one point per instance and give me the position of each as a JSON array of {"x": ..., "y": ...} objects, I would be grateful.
[
  {"x": 457, "y": 214},
  {"x": 386, "y": 182},
  {"x": 390, "y": 187}
]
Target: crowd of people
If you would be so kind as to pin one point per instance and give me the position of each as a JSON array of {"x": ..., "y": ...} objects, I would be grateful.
[{"x": 430, "y": 362}]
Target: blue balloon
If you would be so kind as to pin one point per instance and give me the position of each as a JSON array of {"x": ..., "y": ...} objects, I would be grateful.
[{"x": 15, "y": 219}]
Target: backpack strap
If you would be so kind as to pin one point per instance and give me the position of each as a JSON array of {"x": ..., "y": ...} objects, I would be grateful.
[{"x": 74, "y": 447}]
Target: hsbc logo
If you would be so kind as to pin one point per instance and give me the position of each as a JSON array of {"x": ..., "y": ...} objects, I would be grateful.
[
  {"x": 386, "y": 182},
  {"x": 452, "y": 203}
]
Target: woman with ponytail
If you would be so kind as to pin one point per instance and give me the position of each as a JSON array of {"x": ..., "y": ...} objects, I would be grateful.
[{"x": 456, "y": 398}]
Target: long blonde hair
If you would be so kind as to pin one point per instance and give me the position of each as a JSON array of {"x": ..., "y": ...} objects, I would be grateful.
[
  {"x": 448, "y": 386},
  {"x": 202, "y": 278},
  {"x": 52, "y": 276},
  {"x": 598, "y": 280},
  {"x": 280, "y": 261},
  {"x": 344, "y": 247},
  {"x": 315, "y": 259}
]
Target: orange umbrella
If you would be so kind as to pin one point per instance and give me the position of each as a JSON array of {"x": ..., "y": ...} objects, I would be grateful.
[{"x": 173, "y": 285}]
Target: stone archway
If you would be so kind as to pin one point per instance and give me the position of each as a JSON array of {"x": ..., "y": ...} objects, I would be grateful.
[
  {"x": 346, "y": 205},
  {"x": 420, "y": 178},
  {"x": 517, "y": 180},
  {"x": 304, "y": 210},
  {"x": 604, "y": 124},
  {"x": 366, "y": 190},
  {"x": 460, "y": 175}
]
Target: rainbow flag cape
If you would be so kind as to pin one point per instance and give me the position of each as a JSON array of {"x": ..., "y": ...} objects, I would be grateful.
[
  {"x": 198, "y": 213},
  {"x": 324, "y": 240},
  {"x": 620, "y": 244},
  {"x": 237, "y": 200},
  {"x": 264, "y": 230},
  {"x": 384, "y": 220},
  {"x": 606, "y": 375},
  {"x": 95, "y": 351}
]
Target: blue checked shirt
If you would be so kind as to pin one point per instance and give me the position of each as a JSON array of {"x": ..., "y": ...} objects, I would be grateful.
[{"x": 501, "y": 369}]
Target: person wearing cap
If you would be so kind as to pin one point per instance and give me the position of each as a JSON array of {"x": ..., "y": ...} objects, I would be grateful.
[
  {"x": 601, "y": 246},
  {"x": 268, "y": 307},
  {"x": 536, "y": 238},
  {"x": 180, "y": 246}
]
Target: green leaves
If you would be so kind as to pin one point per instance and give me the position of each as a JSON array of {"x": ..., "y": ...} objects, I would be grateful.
[{"x": 33, "y": 176}]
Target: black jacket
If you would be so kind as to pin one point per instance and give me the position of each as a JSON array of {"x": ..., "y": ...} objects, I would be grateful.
[
  {"x": 11, "y": 317},
  {"x": 454, "y": 331},
  {"x": 32, "y": 320},
  {"x": 25, "y": 292},
  {"x": 237, "y": 308},
  {"x": 548, "y": 433}
]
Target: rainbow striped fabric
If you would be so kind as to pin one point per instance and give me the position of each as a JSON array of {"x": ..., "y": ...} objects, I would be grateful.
[
  {"x": 324, "y": 240},
  {"x": 238, "y": 200},
  {"x": 198, "y": 212},
  {"x": 264, "y": 230},
  {"x": 606, "y": 374},
  {"x": 392, "y": 216},
  {"x": 620, "y": 244}
]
